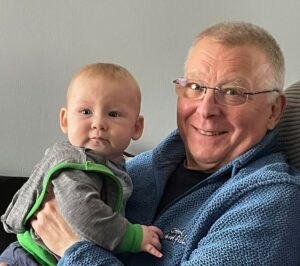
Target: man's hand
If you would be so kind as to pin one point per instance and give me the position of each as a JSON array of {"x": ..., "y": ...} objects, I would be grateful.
[{"x": 50, "y": 225}]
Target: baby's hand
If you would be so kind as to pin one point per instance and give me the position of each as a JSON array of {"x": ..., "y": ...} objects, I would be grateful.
[{"x": 151, "y": 240}]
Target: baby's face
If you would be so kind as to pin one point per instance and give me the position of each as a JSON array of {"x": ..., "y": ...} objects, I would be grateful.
[{"x": 102, "y": 115}]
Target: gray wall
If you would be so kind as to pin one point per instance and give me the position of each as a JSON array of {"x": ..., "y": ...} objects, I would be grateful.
[{"x": 42, "y": 43}]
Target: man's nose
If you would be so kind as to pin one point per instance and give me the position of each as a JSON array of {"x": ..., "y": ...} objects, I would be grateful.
[{"x": 207, "y": 106}]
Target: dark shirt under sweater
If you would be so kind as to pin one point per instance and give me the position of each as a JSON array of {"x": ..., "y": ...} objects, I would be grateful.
[{"x": 181, "y": 180}]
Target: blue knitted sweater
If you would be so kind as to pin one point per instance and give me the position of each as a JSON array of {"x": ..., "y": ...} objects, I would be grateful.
[{"x": 246, "y": 213}]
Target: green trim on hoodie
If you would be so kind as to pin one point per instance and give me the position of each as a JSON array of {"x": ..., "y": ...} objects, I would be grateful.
[{"x": 40, "y": 254}]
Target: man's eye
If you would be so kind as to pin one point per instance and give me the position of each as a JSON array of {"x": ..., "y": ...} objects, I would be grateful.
[
  {"x": 232, "y": 91},
  {"x": 113, "y": 114},
  {"x": 194, "y": 86},
  {"x": 86, "y": 112}
]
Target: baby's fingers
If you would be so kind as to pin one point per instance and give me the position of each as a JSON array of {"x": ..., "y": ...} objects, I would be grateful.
[
  {"x": 157, "y": 231},
  {"x": 151, "y": 249}
]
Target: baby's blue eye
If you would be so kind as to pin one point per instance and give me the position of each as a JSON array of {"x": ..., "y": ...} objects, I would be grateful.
[
  {"x": 113, "y": 114},
  {"x": 86, "y": 111}
]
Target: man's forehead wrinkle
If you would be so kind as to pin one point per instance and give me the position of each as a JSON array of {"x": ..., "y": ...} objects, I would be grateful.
[
  {"x": 206, "y": 72},
  {"x": 204, "y": 66},
  {"x": 234, "y": 80},
  {"x": 195, "y": 73},
  {"x": 208, "y": 65}
]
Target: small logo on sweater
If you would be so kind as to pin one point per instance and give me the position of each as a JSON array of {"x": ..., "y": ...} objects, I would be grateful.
[{"x": 176, "y": 235}]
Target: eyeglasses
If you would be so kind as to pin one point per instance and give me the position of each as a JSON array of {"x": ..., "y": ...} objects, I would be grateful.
[{"x": 223, "y": 95}]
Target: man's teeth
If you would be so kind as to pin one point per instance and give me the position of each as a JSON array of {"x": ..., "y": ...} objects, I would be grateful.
[{"x": 211, "y": 133}]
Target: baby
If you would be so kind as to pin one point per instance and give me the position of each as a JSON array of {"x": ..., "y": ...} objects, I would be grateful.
[{"x": 87, "y": 172}]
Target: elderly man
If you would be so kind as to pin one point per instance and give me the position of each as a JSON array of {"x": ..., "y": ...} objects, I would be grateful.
[{"x": 217, "y": 187}]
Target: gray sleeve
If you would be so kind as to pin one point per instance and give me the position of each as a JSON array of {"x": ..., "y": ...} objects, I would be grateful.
[
  {"x": 79, "y": 197},
  {"x": 24, "y": 199},
  {"x": 18, "y": 208}
]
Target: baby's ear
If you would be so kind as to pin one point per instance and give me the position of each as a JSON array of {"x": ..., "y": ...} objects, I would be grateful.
[
  {"x": 138, "y": 128},
  {"x": 63, "y": 121}
]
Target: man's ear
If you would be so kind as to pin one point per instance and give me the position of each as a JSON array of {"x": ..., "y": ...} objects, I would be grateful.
[
  {"x": 138, "y": 128},
  {"x": 63, "y": 121},
  {"x": 277, "y": 111}
]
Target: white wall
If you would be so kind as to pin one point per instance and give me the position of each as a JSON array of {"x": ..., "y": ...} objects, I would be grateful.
[{"x": 42, "y": 43}]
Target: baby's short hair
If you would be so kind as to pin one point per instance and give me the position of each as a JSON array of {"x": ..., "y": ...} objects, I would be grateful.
[
  {"x": 109, "y": 70},
  {"x": 106, "y": 70}
]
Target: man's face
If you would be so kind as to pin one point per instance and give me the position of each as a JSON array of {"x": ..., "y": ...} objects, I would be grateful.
[{"x": 215, "y": 134}]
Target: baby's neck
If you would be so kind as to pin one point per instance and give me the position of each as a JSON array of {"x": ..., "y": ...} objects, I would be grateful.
[{"x": 116, "y": 159}]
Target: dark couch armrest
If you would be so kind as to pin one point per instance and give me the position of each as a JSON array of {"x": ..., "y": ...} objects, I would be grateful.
[{"x": 8, "y": 187}]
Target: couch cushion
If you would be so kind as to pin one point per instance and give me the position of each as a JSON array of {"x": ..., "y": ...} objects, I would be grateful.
[
  {"x": 289, "y": 133},
  {"x": 8, "y": 187}
]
